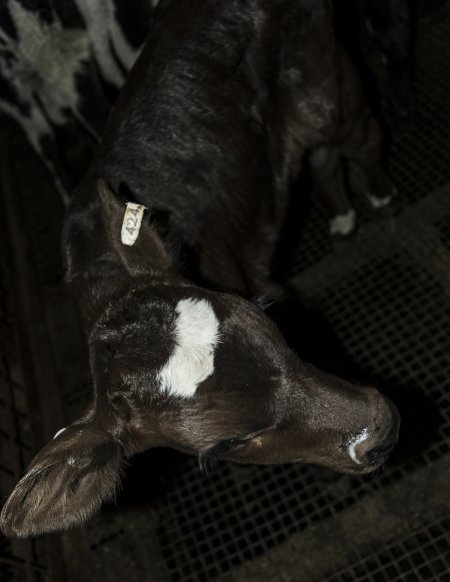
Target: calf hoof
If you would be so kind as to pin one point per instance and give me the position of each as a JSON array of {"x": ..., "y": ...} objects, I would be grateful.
[
  {"x": 343, "y": 225},
  {"x": 382, "y": 202}
]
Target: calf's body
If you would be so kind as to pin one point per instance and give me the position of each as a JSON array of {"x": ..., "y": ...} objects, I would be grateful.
[{"x": 207, "y": 134}]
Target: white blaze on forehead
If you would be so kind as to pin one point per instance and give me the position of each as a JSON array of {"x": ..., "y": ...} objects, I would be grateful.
[
  {"x": 360, "y": 438},
  {"x": 196, "y": 336}
]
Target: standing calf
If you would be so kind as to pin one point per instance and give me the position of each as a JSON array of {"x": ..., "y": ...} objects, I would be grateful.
[{"x": 207, "y": 134}]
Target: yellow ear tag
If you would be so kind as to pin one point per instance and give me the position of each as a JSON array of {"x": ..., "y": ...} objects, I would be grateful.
[{"x": 132, "y": 221}]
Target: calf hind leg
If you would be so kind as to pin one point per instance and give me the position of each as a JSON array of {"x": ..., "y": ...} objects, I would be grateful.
[
  {"x": 363, "y": 149},
  {"x": 326, "y": 166}
]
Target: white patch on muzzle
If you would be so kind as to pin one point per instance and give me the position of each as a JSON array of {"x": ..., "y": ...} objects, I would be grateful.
[
  {"x": 353, "y": 443},
  {"x": 196, "y": 336}
]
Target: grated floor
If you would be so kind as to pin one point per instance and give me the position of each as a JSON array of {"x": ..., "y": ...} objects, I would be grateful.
[{"x": 421, "y": 555}]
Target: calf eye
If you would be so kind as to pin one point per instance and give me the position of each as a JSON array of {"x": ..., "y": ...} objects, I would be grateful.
[
  {"x": 222, "y": 448},
  {"x": 225, "y": 446},
  {"x": 209, "y": 458}
]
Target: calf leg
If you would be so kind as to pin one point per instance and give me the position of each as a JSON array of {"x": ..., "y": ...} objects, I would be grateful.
[
  {"x": 389, "y": 24},
  {"x": 326, "y": 165},
  {"x": 362, "y": 147}
]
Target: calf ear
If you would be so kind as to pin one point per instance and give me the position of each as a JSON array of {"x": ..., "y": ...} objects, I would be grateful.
[
  {"x": 65, "y": 484},
  {"x": 147, "y": 252}
]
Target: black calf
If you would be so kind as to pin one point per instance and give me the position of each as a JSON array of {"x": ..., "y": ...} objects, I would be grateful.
[{"x": 208, "y": 132}]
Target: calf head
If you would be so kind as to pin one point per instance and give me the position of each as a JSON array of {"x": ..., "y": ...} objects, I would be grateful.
[
  {"x": 208, "y": 373},
  {"x": 204, "y": 372}
]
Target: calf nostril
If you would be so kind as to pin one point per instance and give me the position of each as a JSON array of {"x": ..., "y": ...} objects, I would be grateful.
[
  {"x": 376, "y": 450},
  {"x": 380, "y": 452}
]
